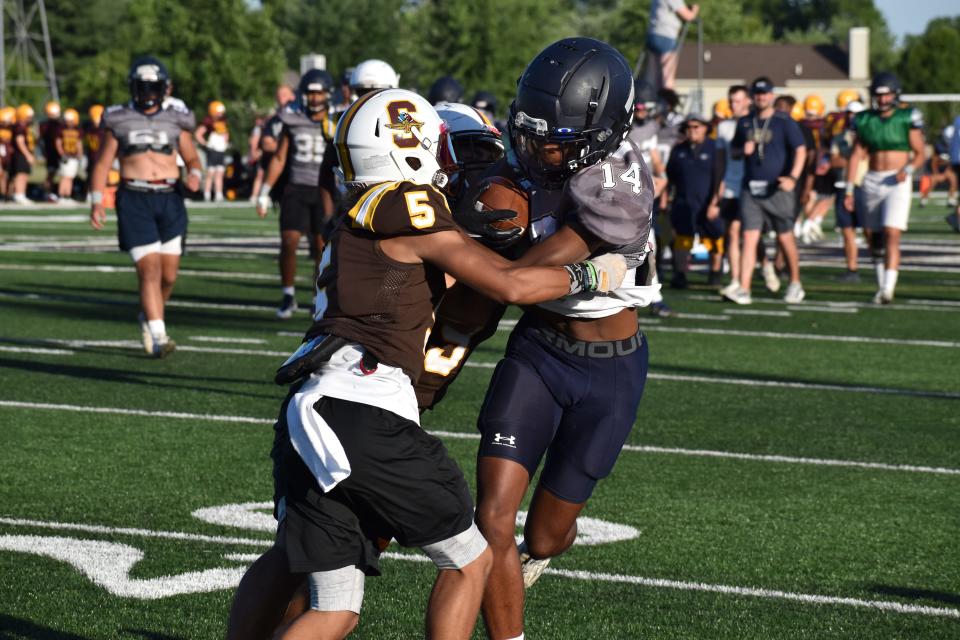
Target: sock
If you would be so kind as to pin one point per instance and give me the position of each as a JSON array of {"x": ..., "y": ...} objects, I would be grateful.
[
  {"x": 218, "y": 195},
  {"x": 289, "y": 291},
  {"x": 890, "y": 280},
  {"x": 519, "y": 637},
  {"x": 879, "y": 267},
  {"x": 206, "y": 196},
  {"x": 157, "y": 329}
]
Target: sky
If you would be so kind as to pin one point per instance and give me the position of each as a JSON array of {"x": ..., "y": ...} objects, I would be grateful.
[{"x": 911, "y": 16}]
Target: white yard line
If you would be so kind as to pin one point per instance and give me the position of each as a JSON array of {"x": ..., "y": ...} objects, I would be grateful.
[
  {"x": 35, "y": 350},
  {"x": 702, "y": 316},
  {"x": 587, "y": 576},
  {"x": 186, "y": 304},
  {"x": 227, "y": 340},
  {"x": 909, "y": 306},
  {"x": 467, "y": 435},
  {"x": 943, "y": 344},
  {"x": 823, "y": 309},
  {"x": 758, "y": 312},
  {"x": 104, "y": 268}
]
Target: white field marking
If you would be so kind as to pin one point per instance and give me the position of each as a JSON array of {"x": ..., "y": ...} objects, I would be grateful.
[
  {"x": 104, "y": 268},
  {"x": 132, "y": 531},
  {"x": 939, "y": 265},
  {"x": 290, "y": 334},
  {"x": 758, "y": 312},
  {"x": 856, "y": 305},
  {"x": 823, "y": 309},
  {"x": 36, "y": 350},
  {"x": 108, "y": 565},
  {"x": 171, "y": 303},
  {"x": 14, "y": 404},
  {"x": 940, "y": 303},
  {"x": 257, "y": 516},
  {"x": 133, "y": 344},
  {"x": 246, "y": 558},
  {"x": 701, "y": 316},
  {"x": 882, "y": 605},
  {"x": 69, "y": 217},
  {"x": 755, "y": 457},
  {"x": 749, "y": 382},
  {"x": 227, "y": 340},
  {"x": 808, "y": 336},
  {"x": 461, "y": 435}
]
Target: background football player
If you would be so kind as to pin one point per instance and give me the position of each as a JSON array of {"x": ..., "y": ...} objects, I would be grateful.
[
  {"x": 24, "y": 146},
  {"x": 213, "y": 134},
  {"x": 49, "y": 129},
  {"x": 151, "y": 218},
  {"x": 305, "y": 209},
  {"x": 269, "y": 139},
  {"x": 374, "y": 474},
  {"x": 8, "y": 119},
  {"x": 69, "y": 145}
]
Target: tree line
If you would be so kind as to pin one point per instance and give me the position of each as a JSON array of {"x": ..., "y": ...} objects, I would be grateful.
[{"x": 237, "y": 50}]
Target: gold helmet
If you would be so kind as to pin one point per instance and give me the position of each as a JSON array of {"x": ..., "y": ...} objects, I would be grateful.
[
  {"x": 8, "y": 115},
  {"x": 813, "y": 106},
  {"x": 722, "y": 110},
  {"x": 847, "y": 96},
  {"x": 71, "y": 117},
  {"x": 797, "y": 112},
  {"x": 52, "y": 110},
  {"x": 216, "y": 109},
  {"x": 95, "y": 112},
  {"x": 24, "y": 112}
]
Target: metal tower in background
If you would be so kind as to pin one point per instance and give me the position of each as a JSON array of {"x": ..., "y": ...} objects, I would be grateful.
[{"x": 22, "y": 62}]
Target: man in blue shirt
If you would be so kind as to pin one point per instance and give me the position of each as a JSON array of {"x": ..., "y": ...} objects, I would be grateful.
[
  {"x": 774, "y": 154},
  {"x": 695, "y": 175}
]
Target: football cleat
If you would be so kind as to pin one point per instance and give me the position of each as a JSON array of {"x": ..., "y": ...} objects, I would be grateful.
[
  {"x": 146, "y": 338},
  {"x": 530, "y": 568},
  {"x": 739, "y": 296},
  {"x": 883, "y": 297},
  {"x": 287, "y": 306},
  {"x": 770, "y": 277},
  {"x": 794, "y": 294},
  {"x": 163, "y": 347}
]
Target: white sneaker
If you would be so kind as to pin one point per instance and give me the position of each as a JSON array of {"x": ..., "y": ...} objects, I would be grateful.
[
  {"x": 816, "y": 231},
  {"x": 146, "y": 338},
  {"x": 287, "y": 306},
  {"x": 883, "y": 297},
  {"x": 729, "y": 289},
  {"x": 952, "y": 202},
  {"x": 795, "y": 293},
  {"x": 770, "y": 277},
  {"x": 163, "y": 347},
  {"x": 19, "y": 198},
  {"x": 530, "y": 568},
  {"x": 739, "y": 296}
]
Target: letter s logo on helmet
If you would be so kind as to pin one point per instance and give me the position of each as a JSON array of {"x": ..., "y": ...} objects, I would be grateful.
[
  {"x": 389, "y": 135},
  {"x": 573, "y": 109}
]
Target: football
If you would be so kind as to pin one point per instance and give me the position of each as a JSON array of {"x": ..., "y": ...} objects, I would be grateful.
[{"x": 504, "y": 194}]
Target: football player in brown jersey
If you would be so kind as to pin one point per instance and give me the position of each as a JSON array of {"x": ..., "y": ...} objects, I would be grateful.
[
  {"x": 69, "y": 146},
  {"x": 24, "y": 147},
  {"x": 151, "y": 218},
  {"x": 352, "y": 466},
  {"x": 213, "y": 135},
  {"x": 8, "y": 118}
]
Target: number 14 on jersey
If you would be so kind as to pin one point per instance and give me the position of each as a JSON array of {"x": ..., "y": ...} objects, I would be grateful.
[{"x": 631, "y": 176}]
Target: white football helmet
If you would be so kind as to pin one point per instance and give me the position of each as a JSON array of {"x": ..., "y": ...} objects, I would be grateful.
[
  {"x": 373, "y": 74},
  {"x": 389, "y": 135},
  {"x": 468, "y": 146}
]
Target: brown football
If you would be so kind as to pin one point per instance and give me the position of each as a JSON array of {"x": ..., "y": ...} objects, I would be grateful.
[{"x": 504, "y": 194}]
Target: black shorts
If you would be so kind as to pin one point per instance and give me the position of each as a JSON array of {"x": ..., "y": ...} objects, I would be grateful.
[
  {"x": 20, "y": 164},
  {"x": 147, "y": 217},
  {"x": 823, "y": 185},
  {"x": 53, "y": 163},
  {"x": 574, "y": 401},
  {"x": 403, "y": 485},
  {"x": 730, "y": 209},
  {"x": 301, "y": 209},
  {"x": 216, "y": 159}
]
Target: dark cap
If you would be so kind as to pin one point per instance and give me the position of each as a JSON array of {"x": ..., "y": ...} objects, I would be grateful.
[
  {"x": 696, "y": 117},
  {"x": 762, "y": 84}
]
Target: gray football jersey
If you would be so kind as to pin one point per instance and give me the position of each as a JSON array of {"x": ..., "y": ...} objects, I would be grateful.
[
  {"x": 138, "y": 132},
  {"x": 308, "y": 141}
]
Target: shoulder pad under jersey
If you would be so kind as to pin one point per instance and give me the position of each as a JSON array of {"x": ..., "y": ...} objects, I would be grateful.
[
  {"x": 613, "y": 199},
  {"x": 399, "y": 208},
  {"x": 182, "y": 116},
  {"x": 916, "y": 118}
]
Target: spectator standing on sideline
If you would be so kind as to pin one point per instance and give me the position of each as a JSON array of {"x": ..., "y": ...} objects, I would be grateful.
[
  {"x": 774, "y": 154},
  {"x": 841, "y": 146},
  {"x": 738, "y": 97},
  {"x": 695, "y": 175},
  {"x": 666, "y": 19}
]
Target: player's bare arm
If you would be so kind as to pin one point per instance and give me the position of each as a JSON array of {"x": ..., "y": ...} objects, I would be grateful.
[
  {"x": 277, "y": 163},
  {"x": 853, "y": 164},
  {"x": 918, "y": 147},
  {"x": 188, "y": 151},
  {"x": 98, "y": 179}
]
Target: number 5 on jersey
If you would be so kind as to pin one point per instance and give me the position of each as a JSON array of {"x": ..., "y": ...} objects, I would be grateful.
[{"x": 421, "y": 213}]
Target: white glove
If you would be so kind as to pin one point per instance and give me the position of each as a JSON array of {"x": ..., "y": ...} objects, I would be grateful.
[{"x": 611, "y": 269}]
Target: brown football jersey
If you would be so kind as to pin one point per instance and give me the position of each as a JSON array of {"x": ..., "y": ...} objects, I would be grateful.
[{"x": 384, "y": 305}]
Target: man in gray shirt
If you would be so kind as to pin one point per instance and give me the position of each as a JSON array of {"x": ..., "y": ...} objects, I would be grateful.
[{"x": 666, "y": 19}]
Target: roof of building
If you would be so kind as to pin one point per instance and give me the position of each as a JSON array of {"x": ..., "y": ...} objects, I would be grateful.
[{"x": 779, "y": 62}]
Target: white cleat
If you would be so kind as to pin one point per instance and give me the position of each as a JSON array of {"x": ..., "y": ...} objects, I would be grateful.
[
  {"x": 146, "y": 338},
  {"x": 738, "y": 296},
  {"x": 163, "y": 347},
  {"x": 795, "y": 293},
  {"x": 729, "y": 289},
  {"x": 530, "y": 568},
  {"x": 883, "y": 297},
  {"x": 770, "y": 278}
]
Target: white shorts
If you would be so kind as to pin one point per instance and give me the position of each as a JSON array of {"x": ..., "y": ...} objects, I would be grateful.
[
  {"x": 884, "y": 201},
  {"x": 69, "y": 167}
]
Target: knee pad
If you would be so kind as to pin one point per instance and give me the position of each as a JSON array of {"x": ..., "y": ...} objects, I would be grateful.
[
  {"x": 682, "y": 243},
  {"x": 337, "y": 590},
  {"x": 458, "y": 551}
]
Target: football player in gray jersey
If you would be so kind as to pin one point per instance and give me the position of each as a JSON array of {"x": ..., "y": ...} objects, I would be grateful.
[
  {"x": 305, "y": 207},
  {"x": 151, "y": 218}
]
